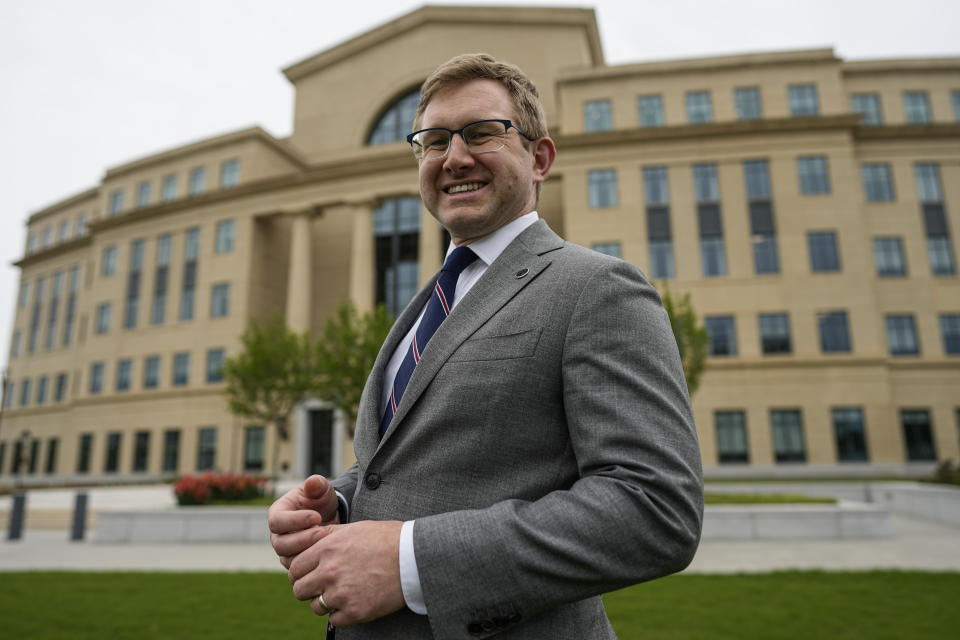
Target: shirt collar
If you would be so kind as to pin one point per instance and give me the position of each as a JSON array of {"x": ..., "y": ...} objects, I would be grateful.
[{"x": 489, "y": 247}]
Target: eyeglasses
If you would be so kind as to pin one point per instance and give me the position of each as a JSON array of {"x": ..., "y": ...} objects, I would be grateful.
[{"x": 482, "y": 136}]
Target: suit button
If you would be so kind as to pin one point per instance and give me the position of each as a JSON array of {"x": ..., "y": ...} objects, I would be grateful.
[{"x": 372, "y": 481}]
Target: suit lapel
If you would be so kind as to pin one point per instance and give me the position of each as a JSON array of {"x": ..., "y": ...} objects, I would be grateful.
[{"x": 519, "y": 264}]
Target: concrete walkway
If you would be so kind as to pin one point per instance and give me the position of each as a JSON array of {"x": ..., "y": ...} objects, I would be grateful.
[{"x": 915, "y": 544}]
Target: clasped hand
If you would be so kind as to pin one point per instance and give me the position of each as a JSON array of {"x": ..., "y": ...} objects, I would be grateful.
[{"x": 354, "y": 566}]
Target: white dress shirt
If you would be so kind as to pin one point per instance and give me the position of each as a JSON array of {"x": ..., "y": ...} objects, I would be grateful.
[{"x": 487, "y": 249}]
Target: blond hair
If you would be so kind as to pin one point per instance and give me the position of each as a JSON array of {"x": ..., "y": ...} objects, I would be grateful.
[{"x": 529, "y": 113}]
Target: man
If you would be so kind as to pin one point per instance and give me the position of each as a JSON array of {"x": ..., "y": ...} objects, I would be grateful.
[{"x": 539, "y": 450}]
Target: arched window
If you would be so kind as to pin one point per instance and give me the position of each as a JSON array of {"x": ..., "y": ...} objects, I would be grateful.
[{"x": 397, "y": 121}]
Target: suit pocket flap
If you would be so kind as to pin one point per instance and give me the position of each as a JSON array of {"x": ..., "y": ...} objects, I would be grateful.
[{"x": 514, "y": 345}]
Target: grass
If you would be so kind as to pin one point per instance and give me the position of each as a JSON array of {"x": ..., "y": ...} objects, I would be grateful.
[
  {"x": 765, "y": 498},
  {"x": 795, "y": 604}
]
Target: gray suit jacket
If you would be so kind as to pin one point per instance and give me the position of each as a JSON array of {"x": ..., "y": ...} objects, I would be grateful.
[{"x": 545, "y": 447}]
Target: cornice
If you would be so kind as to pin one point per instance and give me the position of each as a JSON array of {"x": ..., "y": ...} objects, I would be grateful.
[
  {"x": 432, "y": 14},
  {"x": 207, "y": 144},
  {"x": 841, "y": 361},
  {"x": 72, "y": 201},
  {"x": 843, "y": 122},
  {"x": 53, "y": 252},
  {"x": 908, "y": 131},
  {"x": 901, "y": 65},
  {"x": 699, "y": 65}
]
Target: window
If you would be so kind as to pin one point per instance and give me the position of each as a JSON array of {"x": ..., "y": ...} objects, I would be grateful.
[
  {"x": 215, "y": 360},
  {"x": 888, "y": 256},
  {"x": 108, "y": 261},
  {"x": 723, "y": 335},
  {"x": 396, "y": 230},
  {"x": 787, "y": 427},
  {"x": 42, "y": 383},
  {"x": 25, "y": 388},
  {"x": 763, "y": 233},
  {"x": 397, "y": 120},
  {"x": 171, "y": 450},
  {"x": 189, "y": 285},
  {"x": 134, "y": 277},
  {"x": 834, "y": 332},
  {"x": 60, "y": 388},
  {"x": 63, "y": 233},
  {"x": 902, "y": 335},
  {"x": 868, "y": 105},
  {"x": 143, "y": 194},
  {"x": 168, "y": 190},
  {"x": 877, "y": 182},
  {"x": 713, "y": 257},
  {"x": 181, "y": 369},
  {"x": 3, "y": 456},
  {"x": 206, "y": 448},
  {"x": 803, "y": 100},
  {"x": 699, "y": 107},
  {"x": 939, "y": 248},
  {"x": 220, "y": 300},
  {"x": 229, "y": 173},
  {"x": 813, "y": 175},
  {"x": 198, "y": 181},
  {"x": 73, "y": 287},
  {"x": 955, "y": 99},
  {"x": 161, "y": 277},
  {"x": 950, "y": 330},
  {"x": 223, "y": 242},
  {"x": 602, "y": 188},
  {"x": 8, "y": 394},
  {"x": 31, "y": 243},
  {"x": 916, "y": 107},
  {"x": 124, "y": 374},
  {"x": 253, "y": 440},
  {"x": 39, "y": 290},
  {"x": 47, "y": 238},
  {"x": 111, "y": 461},
  {"x": 24, "y": 297},
  {"x": 80, "y": 226},
  {"x": 141, "y": 450},
  {"x": 659, "y": 232},
  {"x": 597, "y": 115},
  {"x": 15, "y": 345},
  {"x": 103, "y": 318},
  {"x": 83, "y": 453},
  {"x": 850, "y": 435},
  {"x": 116, "y": 202},
  {"x": 747, "y": 100},
  {"x": 774, "y": 333},
  {"x": 824, "y": 255},
  {"x": 96, "y": 378},
  {"x": 608, "y": 248},
  {"x": 650, "y": 111},
  {"x": 731, "y": 437},
  {"x": 151, "y": 372},
  {"x": 918, "y": 435}
]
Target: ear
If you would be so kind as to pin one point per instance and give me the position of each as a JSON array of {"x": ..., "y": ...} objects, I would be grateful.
[{"x": 544, "y": 153}]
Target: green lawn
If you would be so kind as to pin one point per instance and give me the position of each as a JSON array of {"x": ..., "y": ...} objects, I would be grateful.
[
  {"x": 807, "y": 605},
  {"x": 765, "y": 498}
]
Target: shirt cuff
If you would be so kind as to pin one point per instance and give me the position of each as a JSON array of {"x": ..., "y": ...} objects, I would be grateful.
[
  {"x": 409, "y": 574},
  {"x": 343, "y": 509}
]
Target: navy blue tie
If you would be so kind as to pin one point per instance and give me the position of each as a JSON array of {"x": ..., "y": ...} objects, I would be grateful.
[{"x": 438, "y": 308}]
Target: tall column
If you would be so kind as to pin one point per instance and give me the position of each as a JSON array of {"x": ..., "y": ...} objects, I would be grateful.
[
  {"x": 361, "y": 283},
  {"x": 431, "y": 253},
  {"x": 299, "y": 289}
]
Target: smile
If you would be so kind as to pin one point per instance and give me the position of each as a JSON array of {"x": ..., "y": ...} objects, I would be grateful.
[{"x": 460, "y": 188}]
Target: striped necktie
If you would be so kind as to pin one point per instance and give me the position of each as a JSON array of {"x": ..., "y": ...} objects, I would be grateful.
[{"x": 438, "y": 308}]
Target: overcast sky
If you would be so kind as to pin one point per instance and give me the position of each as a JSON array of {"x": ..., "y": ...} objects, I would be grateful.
[{"x": 89, "y": 84}]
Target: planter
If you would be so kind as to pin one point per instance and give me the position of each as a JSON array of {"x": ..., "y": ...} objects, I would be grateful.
[{"x": 184, "y": 525}]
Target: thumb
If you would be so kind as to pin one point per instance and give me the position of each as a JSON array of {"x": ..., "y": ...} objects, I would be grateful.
[{"x": 316, "y": 487}]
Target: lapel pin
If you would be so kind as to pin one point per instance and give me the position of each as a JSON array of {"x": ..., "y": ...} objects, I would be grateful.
[{"x": 522, "y": 273}]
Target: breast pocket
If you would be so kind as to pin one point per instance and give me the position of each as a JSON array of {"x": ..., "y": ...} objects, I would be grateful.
[{"x": 506, "y": 347}]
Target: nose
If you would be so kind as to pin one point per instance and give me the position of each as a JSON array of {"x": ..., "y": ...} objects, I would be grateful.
[{"x": 458, "y": 155}]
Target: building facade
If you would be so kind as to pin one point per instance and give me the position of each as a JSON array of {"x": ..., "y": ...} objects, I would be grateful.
[{"x": 808, "y": 205}]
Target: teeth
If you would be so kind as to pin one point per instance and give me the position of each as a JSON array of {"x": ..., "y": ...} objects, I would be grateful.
[{"x": 471, "y": 186}]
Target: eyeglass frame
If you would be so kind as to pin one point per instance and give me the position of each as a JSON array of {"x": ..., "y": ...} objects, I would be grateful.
[{"x": 507, "y": 125}]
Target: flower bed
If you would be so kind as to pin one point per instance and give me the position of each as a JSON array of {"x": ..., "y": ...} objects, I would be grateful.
[{"x": 211, "y": 486}]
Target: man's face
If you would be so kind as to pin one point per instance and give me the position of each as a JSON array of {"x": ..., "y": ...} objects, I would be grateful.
[{"x": 489, "y": 189}]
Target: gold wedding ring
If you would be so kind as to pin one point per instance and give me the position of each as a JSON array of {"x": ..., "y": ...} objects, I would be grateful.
[{"x": 326, "y": 608}]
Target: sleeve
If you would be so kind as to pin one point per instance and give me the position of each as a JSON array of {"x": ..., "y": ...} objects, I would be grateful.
[
  {"x": 346, "y": 486},
  {"x": 635, "y": 512}
]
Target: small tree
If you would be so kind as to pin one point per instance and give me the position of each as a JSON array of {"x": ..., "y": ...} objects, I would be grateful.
[
  {"x": 275, "y": 371},
  {"x": 345, "y": 354},
  {"x": 692, "y": 337}
]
